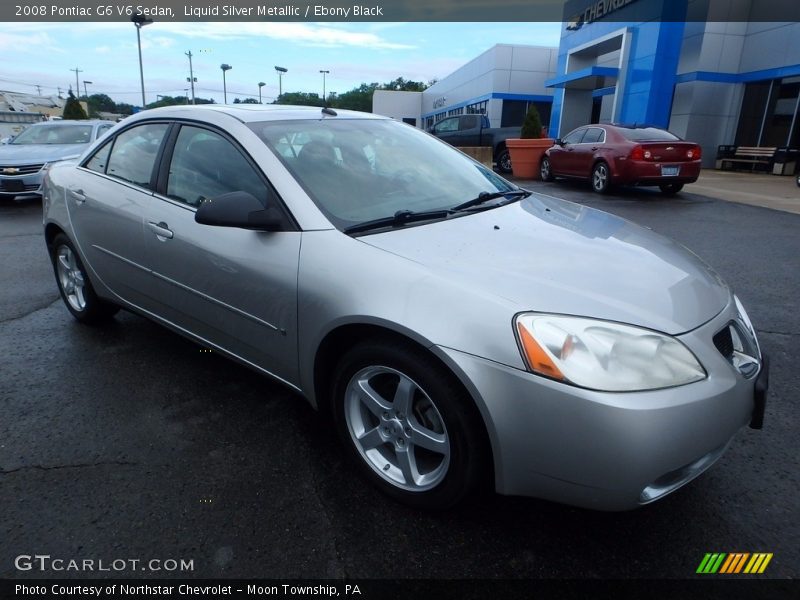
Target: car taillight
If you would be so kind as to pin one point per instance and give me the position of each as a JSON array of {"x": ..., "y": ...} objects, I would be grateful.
[
  {"x": 639, "y": 153},
  {"x": 694, "y": 153}
]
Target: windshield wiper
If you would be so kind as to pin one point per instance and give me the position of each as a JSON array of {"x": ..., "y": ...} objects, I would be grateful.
[
  {"x": 401, "y": 217},
  {"x": 486, "y": 197}
]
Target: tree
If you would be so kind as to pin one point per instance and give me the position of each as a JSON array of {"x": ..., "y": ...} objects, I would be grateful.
[
  {"x": 299, "y": 98},
  {"x": 532, "y": 126},
  {"x": 73, "y": 109}
]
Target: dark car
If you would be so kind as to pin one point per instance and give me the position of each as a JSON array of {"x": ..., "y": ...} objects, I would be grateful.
[{"x": 623, "y": 155}]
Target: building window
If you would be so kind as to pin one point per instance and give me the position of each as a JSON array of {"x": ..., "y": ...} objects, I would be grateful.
[
  {"x": 439, "y": 116},
  {"x": 429, "y": 122},
  {"x": 478, "y": 108},
  {"x": 514, "y": 112},
  {"x": 455, "y": 111},
  {"x": 770, "y": 114}
]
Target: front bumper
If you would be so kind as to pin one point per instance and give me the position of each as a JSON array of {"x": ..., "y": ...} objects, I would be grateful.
[
  {"x": 21, "y": 185},
  {"x": 608, "y": 451}
]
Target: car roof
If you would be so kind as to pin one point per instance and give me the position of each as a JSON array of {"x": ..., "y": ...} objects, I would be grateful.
[
  {"x": 73, "y": 122},
  {"x": 248, "y": 113}
]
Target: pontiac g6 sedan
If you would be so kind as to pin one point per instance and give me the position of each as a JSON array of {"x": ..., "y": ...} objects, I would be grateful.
[
  {"x": 609, "y": 155},
  {"x": 458, "y": 330}
]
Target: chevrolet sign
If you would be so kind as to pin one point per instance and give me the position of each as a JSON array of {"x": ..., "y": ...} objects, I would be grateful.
[{"x": 10, "y": 170}]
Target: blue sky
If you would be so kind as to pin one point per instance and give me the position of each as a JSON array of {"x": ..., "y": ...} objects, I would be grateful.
[{"x": 44, "y": 53}]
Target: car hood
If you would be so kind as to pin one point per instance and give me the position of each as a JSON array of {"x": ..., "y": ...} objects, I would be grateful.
[
  {"x": 12, "y": 154},
  {"x": 548, "y": 255}
]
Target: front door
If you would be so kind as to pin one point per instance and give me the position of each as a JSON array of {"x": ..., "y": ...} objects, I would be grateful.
[{"x": 234, "y": 288}]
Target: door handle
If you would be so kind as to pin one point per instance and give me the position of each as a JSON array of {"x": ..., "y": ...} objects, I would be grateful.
[
  {"x": 79, "y": 196},
  {"x": 161, "y": 229},
  {"x": 594, "y": 148}
]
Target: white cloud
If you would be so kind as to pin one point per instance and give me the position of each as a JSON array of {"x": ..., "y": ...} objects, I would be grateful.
[{"x": 33, "y": 43}]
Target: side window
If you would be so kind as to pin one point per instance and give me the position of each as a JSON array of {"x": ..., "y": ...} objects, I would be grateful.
[
  {"x": 469, "y": 122},
  {"x": 593, "y": 135},
  {"x": 447, "y": 125},
  {"x": 102, "y": 130},
  {"x": 99, "y": 159},
  {"x": 134, "y": 153},
  {"x": 575, "y": 136},
  {"x": 205, "y": 164}
]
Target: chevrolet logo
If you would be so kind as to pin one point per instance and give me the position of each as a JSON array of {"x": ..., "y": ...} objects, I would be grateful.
[{"x": 10, "y": 170}]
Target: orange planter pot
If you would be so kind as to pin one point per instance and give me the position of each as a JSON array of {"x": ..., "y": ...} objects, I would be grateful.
[{"x": 526, "y": 156}]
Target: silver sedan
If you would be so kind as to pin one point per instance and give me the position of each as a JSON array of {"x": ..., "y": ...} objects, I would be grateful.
[{"x": 458, "y": 330}]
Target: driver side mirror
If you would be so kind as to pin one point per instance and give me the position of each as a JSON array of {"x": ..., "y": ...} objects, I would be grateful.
[
  {"x": 559, "y": 142},
  {"x": 239, "y": 209}
]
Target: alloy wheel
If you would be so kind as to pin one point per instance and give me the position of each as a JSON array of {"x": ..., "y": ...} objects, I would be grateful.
[
  {"x": 396, "y": 428},
  {"x": 70, "y": 278}
]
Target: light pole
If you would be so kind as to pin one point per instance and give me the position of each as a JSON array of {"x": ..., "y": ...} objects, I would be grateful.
[
  {"x": 141, "y": 21},
  {"x": 186, "y": 94},
  {"x": 191, "y": 78},
  {"x": 225, "y": 67},
  {"x": 281, "y": 71},
  {"x": 85, "y": 93},
  {"x": 323, "y": 85},
  {"x": 261, "y": 84}
]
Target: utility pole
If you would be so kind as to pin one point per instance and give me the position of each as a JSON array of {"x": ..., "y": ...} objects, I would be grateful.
[
  {"x": 77, "y": 85},
  {"x": 38, "y": 90},
  {"x": 191, "y": 79},
  {"x": 324, "y": 103},
  {"x": 59, "y": 92}
]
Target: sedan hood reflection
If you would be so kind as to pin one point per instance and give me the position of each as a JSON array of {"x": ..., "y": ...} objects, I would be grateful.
[{"x": 549, "y": 255}]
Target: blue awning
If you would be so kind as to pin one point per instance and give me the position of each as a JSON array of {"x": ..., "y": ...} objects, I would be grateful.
[{"x": 590, "y": 78}]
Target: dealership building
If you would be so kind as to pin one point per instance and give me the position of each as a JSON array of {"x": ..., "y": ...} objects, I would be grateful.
[{"x": 705, "y": 69}]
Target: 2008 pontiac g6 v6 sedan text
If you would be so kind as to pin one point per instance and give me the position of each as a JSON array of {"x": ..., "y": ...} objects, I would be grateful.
[{"x": 459, "y": 330}]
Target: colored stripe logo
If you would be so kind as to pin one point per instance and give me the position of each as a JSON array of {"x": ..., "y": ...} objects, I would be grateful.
[{"x": 734, "y": 563}]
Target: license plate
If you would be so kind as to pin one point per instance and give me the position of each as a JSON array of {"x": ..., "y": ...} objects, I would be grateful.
[
  {"x": 669, "y": 171},
  {"x": 12, "y": 185}
]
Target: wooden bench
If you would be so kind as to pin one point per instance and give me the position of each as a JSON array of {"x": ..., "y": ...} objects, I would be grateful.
[{"x": 749, "y": 155}]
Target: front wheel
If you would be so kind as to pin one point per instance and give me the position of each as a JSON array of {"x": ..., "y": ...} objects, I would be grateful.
[
  {"x": 670, "y": 189},
  {"x": 545, "y": 170},
  {"x": 412, "y": 429},
  {"x": 503, "y": 160},
  {"x": 74, "y": 285},
  {"x": 601, "y": 178},
  {"x": 798, "y": 181}
]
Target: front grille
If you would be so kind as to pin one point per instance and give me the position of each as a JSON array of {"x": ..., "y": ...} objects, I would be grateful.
[
  {"x": 13, "y": 170},
  {"x": 723, "y": 340}
]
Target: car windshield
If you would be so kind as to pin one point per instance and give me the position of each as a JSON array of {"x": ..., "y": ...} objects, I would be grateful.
[
  {"x": 647, "y": 134},
  {"x": 361, "y": 170},
  {"x": 55, "y": 134}
]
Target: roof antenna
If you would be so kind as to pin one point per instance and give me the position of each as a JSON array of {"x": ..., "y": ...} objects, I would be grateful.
[{"x": 328, "y": 111}]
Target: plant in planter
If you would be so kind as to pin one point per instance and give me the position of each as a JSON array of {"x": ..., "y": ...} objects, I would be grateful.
[
  {"x": 73, "y": 109},
  {"x": 527, "y": 150}
]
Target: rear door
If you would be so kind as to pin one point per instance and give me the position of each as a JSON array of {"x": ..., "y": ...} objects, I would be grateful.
[
  {"x": 234, "y": 288},
  {"x": 107, "y": 200}
]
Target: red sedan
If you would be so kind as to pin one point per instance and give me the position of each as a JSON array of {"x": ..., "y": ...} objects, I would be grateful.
[{"x": 626, "y": 155}]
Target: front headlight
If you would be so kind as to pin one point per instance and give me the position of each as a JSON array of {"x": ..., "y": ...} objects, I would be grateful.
[
  {"x": 47, "y": 165},
  {"x": 602, "y": 355}
]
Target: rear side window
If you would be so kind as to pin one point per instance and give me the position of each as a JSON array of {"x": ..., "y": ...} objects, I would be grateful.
[
  {"x": 647, "y": 134},
  {"x": 205, "y": 164},
  {"x": 134, "y": 153}
]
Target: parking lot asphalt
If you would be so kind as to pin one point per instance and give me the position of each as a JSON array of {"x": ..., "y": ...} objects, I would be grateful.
[{"x": 130, "y": 442}]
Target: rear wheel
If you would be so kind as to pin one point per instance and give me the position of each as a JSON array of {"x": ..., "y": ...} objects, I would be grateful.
[
  {"x": 670, "y": 189},
  {"x": 601, "y": 178},
  {"x": 503, "y": 160},
  {"x": 74, "y": 285},
  {"x": 545, "y": 170},
  {"x": 410, "y": 427}
]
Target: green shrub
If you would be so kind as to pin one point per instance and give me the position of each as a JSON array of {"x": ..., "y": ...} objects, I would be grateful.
[
  {"x": 73, "y": 109},
  {"x": 532, "y": 127}
]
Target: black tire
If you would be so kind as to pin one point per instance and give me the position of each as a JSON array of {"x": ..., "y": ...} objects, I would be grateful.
[
  {"x": 670, "y": 189},
  {"x": 545, "y": 170},
  {"x": 503, "y": 160},
  {"x": 85, "y": 306},
  {"x": 601, "y": 178},
  {"x": 454, "y": 417}
]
